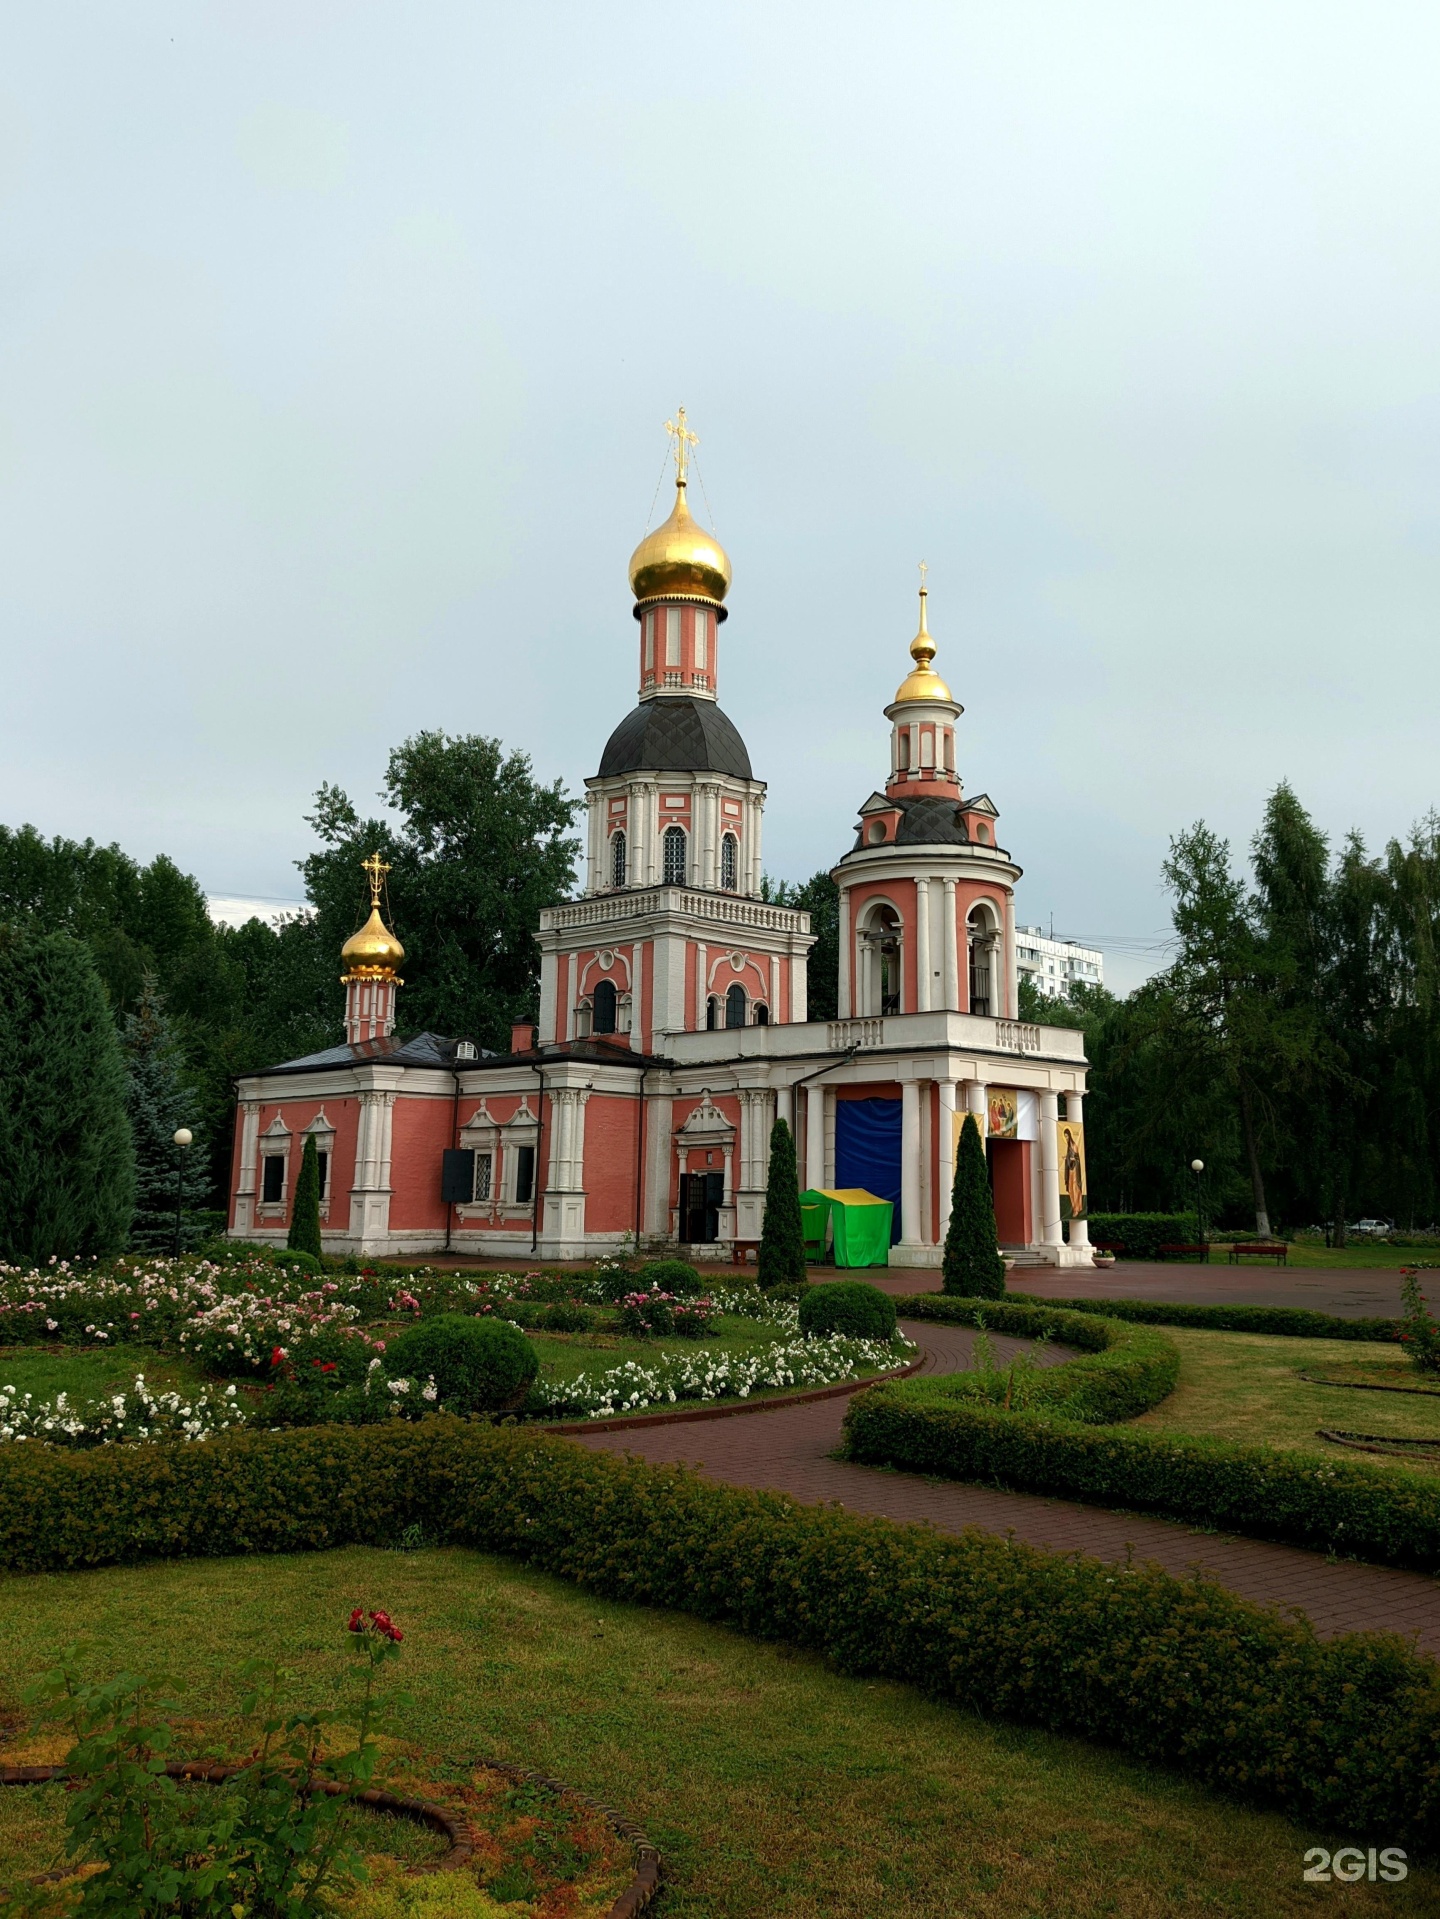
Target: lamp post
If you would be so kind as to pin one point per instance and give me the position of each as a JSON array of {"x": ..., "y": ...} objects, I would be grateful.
[
  {"x": 1197, "y": 1167},
  {"x": 182, "y": 1137}
]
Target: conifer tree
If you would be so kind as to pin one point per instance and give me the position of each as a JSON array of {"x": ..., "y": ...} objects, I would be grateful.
[
  {"x": 782, "y": 1238},
  {"x": 166, "y": 1176},
  {"x": 972, "y": 1265},
  {"x": 305, "y": 1213},
  {"x": 67, "y": 1167}
]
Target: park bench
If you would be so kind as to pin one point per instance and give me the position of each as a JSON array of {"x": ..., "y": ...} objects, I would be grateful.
[
  {"x": 1259, "y": 1249},
  {"x": 1201, "y": 1252}
]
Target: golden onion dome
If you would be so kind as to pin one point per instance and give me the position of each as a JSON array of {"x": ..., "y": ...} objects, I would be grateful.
[
  {"x": 373, "y": 952},
  {"x": 921, "y": 683},
  {"x": 680, "y": 558}
]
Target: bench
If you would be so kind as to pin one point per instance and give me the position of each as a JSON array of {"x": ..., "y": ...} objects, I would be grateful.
[
  {"x": 1201, "y": 1252},
  {"x": 1259, "y": 1249},
  {"x": 741, "y": 1251}
]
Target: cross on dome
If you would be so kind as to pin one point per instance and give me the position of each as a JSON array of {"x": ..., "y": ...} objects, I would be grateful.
[
  {"x": 683, "y": 439},
  {"x": 376, "y": 869}
]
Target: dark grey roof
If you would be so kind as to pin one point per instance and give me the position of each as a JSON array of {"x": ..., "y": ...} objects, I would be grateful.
[
  {"x": 422, "y": 1049},
  {"x": 928, "y": 822},
  {"x": 676, "y": 736}
]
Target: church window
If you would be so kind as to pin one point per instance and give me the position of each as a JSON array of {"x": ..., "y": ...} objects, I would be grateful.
[
  {"x": 649, "y": 628},
  {"x": 702, "y": 636},
  {"x": 903, "y": 738},
  {"x": 604, "y": 1002},
  {"x": 712, "y": 1013},
  {"x": 729, "y": 862},
  {"x": 762, "y": 1013},
  {"x": 735, "y": 1005},
  {"x": 524, "y": 1175},
  {"x": 484, "y": 1170},
  {"x": 674, "y": 856},
  {"x": 672, "y": 636},
  {"x": 617, "y": 859},
  {"x": 982, "y": 831},
  {"x": 273, "y": 1189},
  {"x": 949, "y": 751},
  {"x": 324, "y": 1163},
  {"x": 927, "y": 748}
]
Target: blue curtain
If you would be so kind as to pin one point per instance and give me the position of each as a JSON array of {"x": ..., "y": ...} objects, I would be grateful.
[{"x": 867, "y": 1150}]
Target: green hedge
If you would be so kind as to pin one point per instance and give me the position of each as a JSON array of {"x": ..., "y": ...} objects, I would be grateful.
[
  {"x": 1141, "y": 1235},
  {"x": 1121, "y": 1372},
  {"x": 1344, "y": 1734},
  {"x": 1294, "y": 1497},
  {"x": 1287, "y": 1322}
]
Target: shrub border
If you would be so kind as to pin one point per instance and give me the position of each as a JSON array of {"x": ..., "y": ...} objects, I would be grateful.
[
  {"x": 1283, "y": 1322},
  {"x": 1176, "y": 1672}
]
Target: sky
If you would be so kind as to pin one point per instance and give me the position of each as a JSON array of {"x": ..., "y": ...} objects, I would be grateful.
[{"x": 336, "y": 342}]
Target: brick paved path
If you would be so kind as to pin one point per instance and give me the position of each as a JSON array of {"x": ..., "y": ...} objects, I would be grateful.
[
  {"x": 788, "y": 1449},
  {"x": 1355, "y": 1293}
]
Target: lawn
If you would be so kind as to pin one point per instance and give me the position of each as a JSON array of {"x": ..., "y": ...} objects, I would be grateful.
[
  {"x": 1246, "y": 1387},
  {"x": 94, "y": 1372},
  {"x": 769, "y": 1783}
]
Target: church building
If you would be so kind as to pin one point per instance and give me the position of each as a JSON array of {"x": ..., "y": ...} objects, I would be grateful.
[{"x": 673, "y": 1016}]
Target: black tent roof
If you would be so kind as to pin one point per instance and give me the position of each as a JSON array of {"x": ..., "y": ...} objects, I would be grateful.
[{"x": 676, "y": 736}]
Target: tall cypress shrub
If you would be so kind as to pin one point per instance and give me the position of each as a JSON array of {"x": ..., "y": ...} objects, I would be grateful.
[
  {"x": 305, "y": 1213},
  {"x": 158, "y": 1103},
  {"x": 782, "y": 1238},
  {"x": 972, "y": 1265},
  {"x": 67, "y": 1163}
]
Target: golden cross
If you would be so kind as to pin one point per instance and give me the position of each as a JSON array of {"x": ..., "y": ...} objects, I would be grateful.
[
  {"x": 376, "y": 869},
  {"x": 923, "y": 571},
  {"x": 684, "y": 439}
]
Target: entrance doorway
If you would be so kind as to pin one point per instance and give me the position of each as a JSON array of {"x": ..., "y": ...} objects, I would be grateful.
[{"x": 701, "y": 1197}]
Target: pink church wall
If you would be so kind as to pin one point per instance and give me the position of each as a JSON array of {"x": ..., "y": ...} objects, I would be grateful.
[
  {"x": 611, "y": 1162},
  {"x": 421, "y": 1129},
  {"x": 344, "y": 1116}
]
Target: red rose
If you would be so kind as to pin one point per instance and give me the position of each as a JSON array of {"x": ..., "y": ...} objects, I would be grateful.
[{"x": 357, "y": 1620}]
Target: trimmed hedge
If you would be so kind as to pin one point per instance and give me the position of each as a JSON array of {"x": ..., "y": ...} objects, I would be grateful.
[
  {"x": 1120, "y": 1374},
  {"x": 848, "y": 1306},
  {"x": 1141, "y": 1235},
  {"x": 478, "y": 1365},
  {"x": 1287, "y": 1322},
  {"x": 1344, "y": 1734},
  {"x": 1265, "y": 1492}
]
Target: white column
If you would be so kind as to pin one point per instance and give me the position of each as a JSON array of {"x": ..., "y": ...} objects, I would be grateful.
[
  {"x": 598, "y": 876},
  {"x": 910, "y": 1162},
  {"x": 845, "y": 1003},
  {"x": 1078, "y": 1233},
  {"x": 653, "y": 866},
  {"x": 754, "y": 865},
  {"x": 952, "y": 950},
  {"x": 785, "y": 1106},
  {"x": 1010, "y": 997},
  {"x": 774, "y": 988},
  {"x": 701, "y": 968},
  {"x": 922, "y": 946},
  {"x": 707, "y": 804},
  {"x": 1049, "y": 1170},
  {"x": 814, "y": 1136},
  {"x": 945, "y": 1153}
]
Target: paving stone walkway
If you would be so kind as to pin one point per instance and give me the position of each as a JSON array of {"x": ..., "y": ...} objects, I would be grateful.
[{"x": 788, "y": 1450}]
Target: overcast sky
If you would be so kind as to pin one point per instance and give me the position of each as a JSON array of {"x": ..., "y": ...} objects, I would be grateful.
[{"x": 335, "y": 343}]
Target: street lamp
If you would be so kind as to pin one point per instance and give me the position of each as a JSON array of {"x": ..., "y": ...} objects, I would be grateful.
[
  {"x": 182, "y": 1137},
  {"x": 1197, "y": 1167}
]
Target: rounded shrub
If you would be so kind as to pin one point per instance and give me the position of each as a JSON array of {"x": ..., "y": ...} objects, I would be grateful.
[
  {"x": 847, "y": 1306},
  {"x": 567, "y": 1316},
  {"x": 294, "y": 1256},
  {"x": 478, "y": 1365},
  {"x": 671, "y": 1276}
]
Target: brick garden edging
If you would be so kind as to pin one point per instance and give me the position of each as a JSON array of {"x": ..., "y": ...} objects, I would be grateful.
[
  {"x": 640, "y": 1893},
  {"x": 729, "y": 1411}
]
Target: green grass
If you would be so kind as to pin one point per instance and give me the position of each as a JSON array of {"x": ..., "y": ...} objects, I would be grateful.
[
  {"x": 770, "y": 1784},
  {"x": 93, "y": 1372},
  {"x": 1246, "y": 1387}
]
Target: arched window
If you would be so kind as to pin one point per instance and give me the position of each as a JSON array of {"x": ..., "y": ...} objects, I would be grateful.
[
  {"x": 617, "y": 859},
  {"x": 603, "y": 1020},
  {"x": 735, "y": 1005},
  {"x": 983, "y": 942},
  {"x": 712, "y": 1013},
  {"x": 762, "y": 1013},
  {"x": 729, "y": 862},
  {"x": 674, "y": 855}
]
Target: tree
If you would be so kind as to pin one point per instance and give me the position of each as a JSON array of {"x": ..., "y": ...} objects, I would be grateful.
[
  {"x": 782, "y": 1237},
  {"x": 305, "y": 1212},
  {"x": 971, "y": 1264},
  {"x": 67, "y": 1169},
  {"x": 167, "y": 1177},
  {"x": 820, "y": 898},
  {"x": 479, "y": 848}
]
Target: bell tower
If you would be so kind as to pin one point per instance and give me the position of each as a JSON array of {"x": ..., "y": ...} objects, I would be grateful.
[{"x": 371, "y": 958}]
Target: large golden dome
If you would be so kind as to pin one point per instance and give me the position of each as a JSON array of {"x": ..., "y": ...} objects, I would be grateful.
[
  {"x": 373, "y": 952},
  {"x": 922, "y": 682},
  {"x": 680, "y": 558}
]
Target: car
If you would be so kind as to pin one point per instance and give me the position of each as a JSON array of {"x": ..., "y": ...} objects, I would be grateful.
[{"x": 1372, "y": 1228}]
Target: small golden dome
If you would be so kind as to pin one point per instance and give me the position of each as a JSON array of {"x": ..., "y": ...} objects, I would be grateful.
[
  {"x": 373, "y": 952},
  {"x": 920, "y": 683},
  {"x": 680, "y": 558}
]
